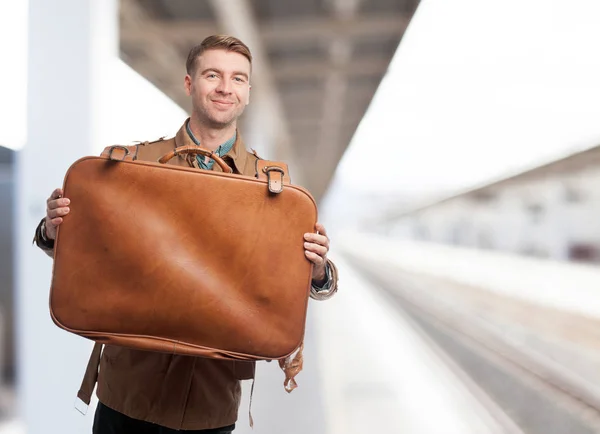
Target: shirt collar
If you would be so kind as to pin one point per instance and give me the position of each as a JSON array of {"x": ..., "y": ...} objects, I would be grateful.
[
  {"x": 237, "y": 153},
  {"x": 222, "y": 150}
]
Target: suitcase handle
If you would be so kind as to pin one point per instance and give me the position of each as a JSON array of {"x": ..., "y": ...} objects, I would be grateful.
[{"x": 184, "y": 150}]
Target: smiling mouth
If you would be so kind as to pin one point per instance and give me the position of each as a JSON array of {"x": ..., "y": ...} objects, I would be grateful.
[{"x": 222, "y": 102}]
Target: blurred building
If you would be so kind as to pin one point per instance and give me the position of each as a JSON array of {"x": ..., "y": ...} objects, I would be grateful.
[
  {"x": 550, "y": 211},
  {"x": 7, "y": 212}
]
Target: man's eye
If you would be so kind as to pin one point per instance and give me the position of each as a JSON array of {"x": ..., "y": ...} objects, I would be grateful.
[
  {"x": 240, "y": 79},
  {"x": 211, "y": 75}
]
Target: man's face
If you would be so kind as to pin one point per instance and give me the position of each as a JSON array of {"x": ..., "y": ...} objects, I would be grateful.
[{"x": 219, "y": 87}]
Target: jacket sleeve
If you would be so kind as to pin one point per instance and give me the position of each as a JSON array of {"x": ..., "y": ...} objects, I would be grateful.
[
  {"x": 46, "y": 246},
  {"x": 330, "y": 287},
  {"x": 244, "y": 370}
]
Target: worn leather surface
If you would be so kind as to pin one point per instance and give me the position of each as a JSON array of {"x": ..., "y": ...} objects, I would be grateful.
[{"x": 141, "y": 260}]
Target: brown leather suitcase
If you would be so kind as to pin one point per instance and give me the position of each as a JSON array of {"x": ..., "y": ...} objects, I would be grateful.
[{"x": 181, "y": 260}]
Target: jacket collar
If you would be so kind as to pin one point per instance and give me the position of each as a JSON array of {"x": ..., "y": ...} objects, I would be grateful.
[{"x": 238, "y": 152}]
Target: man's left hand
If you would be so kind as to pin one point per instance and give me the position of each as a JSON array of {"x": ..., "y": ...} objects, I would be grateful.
[{"x": 316, "y": 247}]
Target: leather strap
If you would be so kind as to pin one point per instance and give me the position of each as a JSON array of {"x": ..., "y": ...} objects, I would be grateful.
[
  {"x": 291, "y": 366},
  {"x": 250, "y": 418},
  {"x": 275, "y": 173},
  {"x": 120, "y": 153},
  {"x": 90, "y": 377},
  {"x": 195, "y": 150}
]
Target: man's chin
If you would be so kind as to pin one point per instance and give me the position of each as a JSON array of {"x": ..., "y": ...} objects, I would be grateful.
[
  {"x": 221, "y": 121},
  {"x": 216, "y": 118}
]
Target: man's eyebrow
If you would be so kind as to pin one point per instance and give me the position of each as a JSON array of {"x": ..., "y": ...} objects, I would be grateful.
[
  {"x": 241, "y": 73},
  {"x": 209, "y": 70}
]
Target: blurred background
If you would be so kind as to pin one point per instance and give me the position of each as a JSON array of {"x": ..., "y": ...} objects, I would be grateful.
[{"x": 452, "y": 146}]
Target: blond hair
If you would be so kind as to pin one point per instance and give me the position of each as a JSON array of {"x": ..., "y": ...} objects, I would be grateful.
[{"x": 216, "y": 42}]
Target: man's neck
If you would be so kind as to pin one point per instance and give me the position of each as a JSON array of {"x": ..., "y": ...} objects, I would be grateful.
[{"x": 209, "y": 137}]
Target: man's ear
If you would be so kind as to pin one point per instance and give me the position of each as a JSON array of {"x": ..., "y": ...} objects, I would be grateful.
[{"x": 187, "y": 82}]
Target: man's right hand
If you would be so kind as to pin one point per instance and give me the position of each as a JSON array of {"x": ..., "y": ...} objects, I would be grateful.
[{"x": 57, "y": 207}]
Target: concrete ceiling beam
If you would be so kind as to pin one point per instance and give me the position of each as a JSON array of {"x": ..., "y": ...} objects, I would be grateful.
[
  {"x": 372, "y": 65},
  {"x": 236, "y": 18},
  {"x": 278, "y": 33}
]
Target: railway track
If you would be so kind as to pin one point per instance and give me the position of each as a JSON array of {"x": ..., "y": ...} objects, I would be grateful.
[{"x": 526, "y": 391}]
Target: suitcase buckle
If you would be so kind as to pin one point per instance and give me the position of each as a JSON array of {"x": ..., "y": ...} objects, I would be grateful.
[
  {"x": 275, "y": 182},
  {"x": 123, "y": 148}
]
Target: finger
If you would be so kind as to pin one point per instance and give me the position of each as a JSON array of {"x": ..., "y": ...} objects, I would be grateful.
[
  {"x": 317, "y": 239},
  {"x": 57, "y": 212},
  {"x": 52, "y": 204},
  {"x": 314, "y": 258},
  {"x": 56, "y": 194},
  {"x": 321, "y": 229},
  {"x": 316, "y": 248},
  {"x": 56, "y": 221}
]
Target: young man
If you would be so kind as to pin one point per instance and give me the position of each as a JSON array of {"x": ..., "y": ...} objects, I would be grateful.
[{"x": 146, "y": 392}]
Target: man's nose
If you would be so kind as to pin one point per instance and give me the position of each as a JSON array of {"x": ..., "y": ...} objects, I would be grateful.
[{"x": 224, "y": 86}]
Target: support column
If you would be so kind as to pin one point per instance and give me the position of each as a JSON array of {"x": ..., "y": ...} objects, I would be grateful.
[
  {"x": 266, "y": 123},
  {"x": 71, "y": 45}
]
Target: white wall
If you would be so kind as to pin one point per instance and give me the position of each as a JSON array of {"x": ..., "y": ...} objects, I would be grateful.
[
  {"x": 13, "y": 79},
  {"x": 79, "y": 98},
  {"x": 136, "y": 110}
]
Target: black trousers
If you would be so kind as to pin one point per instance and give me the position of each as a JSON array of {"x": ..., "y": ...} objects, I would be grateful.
[{"x": 109, "y": 421}]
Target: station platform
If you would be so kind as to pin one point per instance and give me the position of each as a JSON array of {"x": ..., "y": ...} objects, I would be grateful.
[{"x": 430, "y": 339}]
